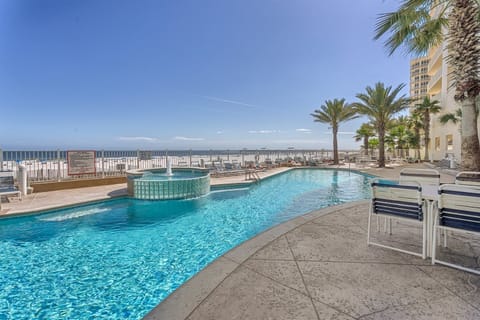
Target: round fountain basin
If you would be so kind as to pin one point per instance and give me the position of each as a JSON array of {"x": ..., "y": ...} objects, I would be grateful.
[{"x": 154, "y": 184}]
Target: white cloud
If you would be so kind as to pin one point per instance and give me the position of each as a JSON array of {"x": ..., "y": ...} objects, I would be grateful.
[
  {"x": 219, "y": 132},
  {"x": 231, "y": 102},
  {"x": 262, "y": 131},
  {"x": 149, "y": 139},
  {"x": 341, "y": 132},
  {"x": 188, "y": 138},
  {"x": 304, "y": 130}
]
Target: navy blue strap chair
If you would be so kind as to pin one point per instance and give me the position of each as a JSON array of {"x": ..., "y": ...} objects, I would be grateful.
[
  {"x": 400, "y": 201},
  {"x": 458, "y": 210}
]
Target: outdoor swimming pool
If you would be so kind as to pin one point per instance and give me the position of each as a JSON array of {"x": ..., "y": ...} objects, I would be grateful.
[{"x": 118, "y": 259}]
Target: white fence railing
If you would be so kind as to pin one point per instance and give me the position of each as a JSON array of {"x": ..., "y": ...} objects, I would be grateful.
[{"x": 53, "y": 166}]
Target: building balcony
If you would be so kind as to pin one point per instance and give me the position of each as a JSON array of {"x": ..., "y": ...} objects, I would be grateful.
[
  {"x": 436, "y": 59},
  {"x": 435, "y": 83}
]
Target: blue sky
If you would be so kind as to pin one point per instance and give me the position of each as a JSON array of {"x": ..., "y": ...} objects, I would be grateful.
[{"x": 119, "y": 74}]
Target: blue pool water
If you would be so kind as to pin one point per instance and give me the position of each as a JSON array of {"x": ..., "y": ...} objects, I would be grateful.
[{"x": 118, "y": 259}]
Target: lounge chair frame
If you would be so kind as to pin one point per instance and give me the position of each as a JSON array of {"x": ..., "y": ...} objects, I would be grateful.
[
  {"x": 399, "y": 201},
  {"x": 458, "y": 206}
]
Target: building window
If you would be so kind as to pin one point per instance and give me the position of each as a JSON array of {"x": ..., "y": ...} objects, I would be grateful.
[
  {"x": 449, "y": 139},
  {"x": 437, "y": 143}
]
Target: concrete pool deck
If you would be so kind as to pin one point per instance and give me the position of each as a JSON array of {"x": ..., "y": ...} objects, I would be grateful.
[
  {"x": 64, "y": 198},
  {"x": 318, "y": 266}
]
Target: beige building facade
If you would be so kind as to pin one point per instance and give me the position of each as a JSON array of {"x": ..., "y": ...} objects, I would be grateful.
[{"x": 445, "y": 138}]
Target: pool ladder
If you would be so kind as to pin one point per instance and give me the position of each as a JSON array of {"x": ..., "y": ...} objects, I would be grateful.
[{"x": 252, "y": 174}]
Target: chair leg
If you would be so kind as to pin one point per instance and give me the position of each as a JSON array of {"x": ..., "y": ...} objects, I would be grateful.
[
  {"x": 390, "y": 225},
  {"x": 434, "y": 242},
  {"x": 369, "y": 223},
  {"x": 424, "y": 239},
  {"x": 444, "y": 238}
]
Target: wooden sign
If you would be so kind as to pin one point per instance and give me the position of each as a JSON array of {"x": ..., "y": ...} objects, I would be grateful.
[{"x": 81, "y": 162}]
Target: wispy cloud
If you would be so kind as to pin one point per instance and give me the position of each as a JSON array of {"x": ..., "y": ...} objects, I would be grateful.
[
  {"x": 188, "y": 138},
  {"x": 341, "y": 132},
  {"x": 239, "y": 103},
  {"x": 149, "y": 139},
  {"x": 219, "y": 132},
  {"x": 304, "y": 130},
  {"x": 262, "y": 131}
]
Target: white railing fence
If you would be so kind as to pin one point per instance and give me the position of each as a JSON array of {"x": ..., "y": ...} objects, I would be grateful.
[{"x": 52, "y": 165}]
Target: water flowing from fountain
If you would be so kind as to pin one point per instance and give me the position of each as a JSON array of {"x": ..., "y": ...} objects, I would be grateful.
[{"x": 169, "y": 173}]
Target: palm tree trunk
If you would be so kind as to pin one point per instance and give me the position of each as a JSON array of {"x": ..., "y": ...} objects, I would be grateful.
[
  {"x": 381, "y": 147},
  {"x": 335, "y": 146},
  {"x": 365, "y": 145},
  {"x": 470, "y": 144},
  {"x": 426, "y": 126}
]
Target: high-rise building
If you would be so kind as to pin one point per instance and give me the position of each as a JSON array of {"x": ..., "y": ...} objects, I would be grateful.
[{"x": 419, "y": 78}]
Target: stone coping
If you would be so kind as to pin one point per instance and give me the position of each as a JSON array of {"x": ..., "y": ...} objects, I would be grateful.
[{"x": 185, "y": 299}]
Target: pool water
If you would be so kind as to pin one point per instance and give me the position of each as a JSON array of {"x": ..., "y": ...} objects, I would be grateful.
[
  {"x": 177, "y": 175},
  {"x": 118, "y": 259}
]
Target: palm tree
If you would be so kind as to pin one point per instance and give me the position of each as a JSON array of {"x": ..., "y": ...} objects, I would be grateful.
[
  {"x": 380, "y": 103},
  {"x": 455, "y": 117},
  {"x": 373, "y": 144},
  {"x": 401, "y": 137},
  {"x": 415, "y": 123},
  {"x": 334, "y": 112},
  {"x": 364, "y": 133},
  {"x": 425, "y": 109},
  {"x": 413, "y": 27}
]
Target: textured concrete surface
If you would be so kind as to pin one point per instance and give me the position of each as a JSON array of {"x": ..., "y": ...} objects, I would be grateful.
[{"x": 319, "y": 266}]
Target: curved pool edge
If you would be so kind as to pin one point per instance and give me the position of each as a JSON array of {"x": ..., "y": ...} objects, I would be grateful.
[
  {"x": 186, "y": 298},
  {"x": 122, "y": 193}
]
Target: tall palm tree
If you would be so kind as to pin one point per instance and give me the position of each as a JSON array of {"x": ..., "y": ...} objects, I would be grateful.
[
  {"x": 364, "y": 133},
  {"x": 425, "y": 109},
  {"x": 413, "y": 27},
  {"x": 380, "y": 104},
  {"x": 334, "y": 112}
]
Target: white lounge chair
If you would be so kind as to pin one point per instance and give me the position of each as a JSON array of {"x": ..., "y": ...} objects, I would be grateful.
[
  {"x": 7, "y": 186},
  {"x": 425, "y": 177},
  {"x": 458, "y": 210},
  {"x": 471, "y": 178}
]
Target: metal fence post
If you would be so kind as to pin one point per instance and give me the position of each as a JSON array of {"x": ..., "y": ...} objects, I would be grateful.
[
  {"x": 103, "y": 163},
  {"x": 190, "y": 164},
  {"x": 1, "y": 159},
  {"x": 58, "y": 165},
  {"x": 138, "y": 156}
]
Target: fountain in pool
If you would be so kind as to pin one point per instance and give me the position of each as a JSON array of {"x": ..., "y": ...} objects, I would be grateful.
[
  {"x": 168, "y": 183},
  {"x": 169, "y": 173}
]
